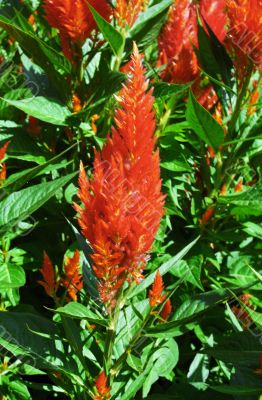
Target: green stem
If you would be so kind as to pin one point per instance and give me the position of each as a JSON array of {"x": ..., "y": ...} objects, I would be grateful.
[
  {"x": 240, "y": 99},
  {"x": 111, "y": 334},
  {"x": 119, "y": 56},
  {"x": 121, "y": 359}
]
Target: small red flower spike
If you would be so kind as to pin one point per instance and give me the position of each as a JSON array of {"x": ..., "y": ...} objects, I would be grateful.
[
  {"x": 3, "y": 150},
  {"x": 208, "y": 214},
  {"x": 76, "y": 102},
  {"x": 74, "y": 21},
  {"x": 73, "y": 281},
  {"x": 166, "y": 311},
  {"x": 239, "y": 186},
  {"x": 49, "y": 277},
  {"x": 155, "y": 294},
  {"x": 122, "y": 205},
  {"x": 101, "y": 387},
  {"x": 2, "y": 156}
]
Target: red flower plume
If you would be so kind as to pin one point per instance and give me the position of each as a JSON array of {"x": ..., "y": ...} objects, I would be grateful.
[
  {"x": 178, "y": 38},
  {"x": 74, "y": 21},
  {"x": 123, "y": 204},
  {"x": 166, "y": 310},
  {"x": 101, "y": 386},
  {"x": 73, "y": 279},
  {"x": 155, "y": 294},
  {"x": 3, "y": 150},
  {"x": 126, "y": 11},
  {"x": 245, "y": 31},
  {"x": 175, "y": 43},
  {"x": 2, "y": 156},
  {"x": 49, "y": 277}
]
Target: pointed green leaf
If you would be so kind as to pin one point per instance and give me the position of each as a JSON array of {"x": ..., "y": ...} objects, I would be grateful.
[{"x": 203, "y": 124}]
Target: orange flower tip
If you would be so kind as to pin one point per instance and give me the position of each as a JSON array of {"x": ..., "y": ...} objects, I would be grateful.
[
  {"x": 49, "y": 277},
  {"x": 155, "y": 294},
  {"x": 239, "y": 186},
  {"x": 3, "y": 150},
  {"x": 101, "y": 386},
  {"x": 208, "y": 214},
  {"x": 72, "y": 280},
  {"x": 223, "y": 190},
  {"x": 76, "y": 102}
]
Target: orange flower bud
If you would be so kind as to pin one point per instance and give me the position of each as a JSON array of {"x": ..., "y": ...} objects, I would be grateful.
[{"x": 155, "y": 295}]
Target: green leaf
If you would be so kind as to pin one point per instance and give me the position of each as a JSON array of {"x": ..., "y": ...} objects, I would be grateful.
[
  {"x": 133, "y": 387},
  {"x": 213, "y": 56},
  {"x": 19, "y": 205},
  {"x": 45, "y": 56},
  {"x": 42, "y": 108},
  {"x": 163, "y": 269},
  {"x": 114, "y": 38},
  {"x": 149, "y": 23},
  {"x": 79, "y": 311},
  {"x": 237, "y": 389},
  {"x": 17, "y": 181},
  {"x": 89, "y": 277},
  {"x": 191, "y": 309},
  {"x": 129, "y": 324},
  {"x": 17, "y": 336},
  {"x": 190, "y": 270},
  {"x": 239, "y": 348},
  {"x": 163, "y": 89},
  {"x": 11, "y": 276},
  {"x": 163, "y": 361},
  {"x": 250, "y": 199},
  {"x": 204, "y": 125},
  {"x": 253, "y": 229},
  {"x": 18, "y": 390}
]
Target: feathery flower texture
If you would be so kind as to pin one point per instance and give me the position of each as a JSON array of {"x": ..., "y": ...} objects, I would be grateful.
[
  {"x": 155, "y": 294},
  {"x": 72, "y": 280},
  {"x": 123, "y": 204},
  {"x": 178, "y": 38},
  {"x": 245, "y": 29},
  {"x": 101, "y": 387},
  {"x": 74, "y": 21},
  {"x": 126, "y": 11},
  {"x": 49, "y": 281}
]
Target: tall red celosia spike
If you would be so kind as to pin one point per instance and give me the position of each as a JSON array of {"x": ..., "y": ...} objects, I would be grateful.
[
  {"x": 74, "y": 21},
  {"x": 49, "y": 277},
  {"x": 155, "y": 294},
  {"x": 73, "y": 281},
  {"x": 245, "y": 32},
  {"x": 122, "y": 205},
  {"x": 175, "y": 43},
  {"x": 127, "y": 11},
  {"x": 166, "y": 311},
  {"x": 101, "y": 387}
]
